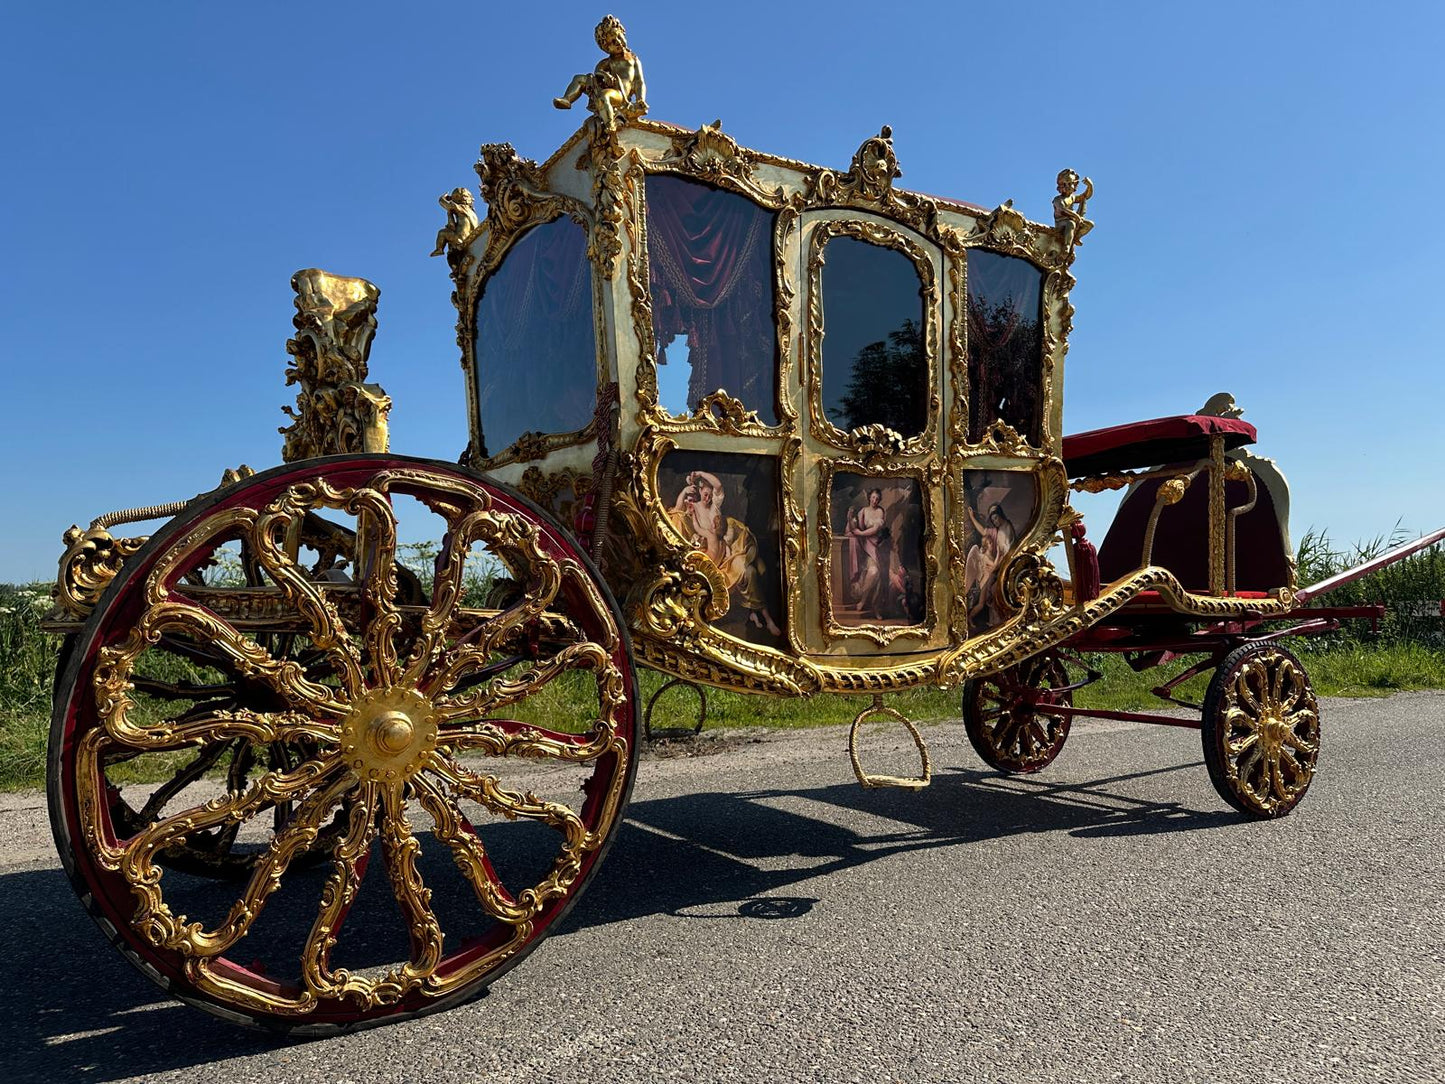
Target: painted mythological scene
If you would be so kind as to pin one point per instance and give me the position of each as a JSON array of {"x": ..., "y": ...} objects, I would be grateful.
[
  {"x": 876, "y": 567},
  {"x": 998, "y": 509},
  {"x": 726, "y": 504}
]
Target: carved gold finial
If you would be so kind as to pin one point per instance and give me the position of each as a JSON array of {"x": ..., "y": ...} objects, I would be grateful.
[
  {"x": 1221, "y": 405},
  {"x": 615, "y": 89},
  {"x": 875, "y": 165},
  {"x": 1069, "y": 207},
  {"x": 869, "y": 180},
  {"x": 337, "y": 411},
  {"x": 462, "y": 221}
]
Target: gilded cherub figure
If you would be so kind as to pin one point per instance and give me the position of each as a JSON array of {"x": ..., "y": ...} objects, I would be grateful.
[
  {"x": 461, "y": 220},
  {"x": 615, "y": 89},
  {"x": 1069, "y": 206}
]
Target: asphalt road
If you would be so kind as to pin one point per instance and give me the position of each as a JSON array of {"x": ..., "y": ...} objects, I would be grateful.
[{"x": 762, "y": 918}]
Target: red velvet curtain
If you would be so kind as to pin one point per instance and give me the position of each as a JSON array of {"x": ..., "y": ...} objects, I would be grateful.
[{"x": 710, "y": 254}]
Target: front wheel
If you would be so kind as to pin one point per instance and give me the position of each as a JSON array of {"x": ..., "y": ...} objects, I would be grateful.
[
  {"x": 469, "y": 762},
  {"x": 1261, "y": 730},
  {"x": 1007, "y": 715}
]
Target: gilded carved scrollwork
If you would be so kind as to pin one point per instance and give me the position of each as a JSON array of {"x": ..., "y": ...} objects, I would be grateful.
[
  {"x": 710, "y": 154},
  {"x": 517, "y": 196},
  {"x": 336, "y": 410},
  {"x": 545, "y": 487},
  {"x": 91, "y": 560},
  {"x": 720, "y": 412},
  {"x": 868, "y": 185}
]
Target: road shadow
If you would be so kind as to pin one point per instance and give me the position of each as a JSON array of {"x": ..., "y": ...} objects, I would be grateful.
[{"x": 78, "y": 1011}]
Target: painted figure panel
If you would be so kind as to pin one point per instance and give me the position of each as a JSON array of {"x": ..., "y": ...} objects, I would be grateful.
[
  {"x": 726, "y": 504},
  {"x": 999, "y": 507},
  {"x": 876, "y": 565}
]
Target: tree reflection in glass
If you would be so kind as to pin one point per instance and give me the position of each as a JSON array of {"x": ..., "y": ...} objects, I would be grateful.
[
  {"x": 1005, "y": 344},
  {"x": 874, "y": 367}
]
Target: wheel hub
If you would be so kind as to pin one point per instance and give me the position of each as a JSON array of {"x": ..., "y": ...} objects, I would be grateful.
[
  {"x": 1271, "y": 731},
  {"x": 389, "y": 734}
]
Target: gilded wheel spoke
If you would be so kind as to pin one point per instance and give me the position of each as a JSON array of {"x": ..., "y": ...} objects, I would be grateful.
[
  {"x": 137, "y": 857},
  {"x": 448, "y": 585},
  {"x": 511, "y": 737},
  {"x": 469, "y": 853},
  {"x": 1249, "y": 763},
  {"x": 1291, "y": 736},
  {"x": 400, "y": 848},
  {"x": 1247, "y": 695},
  {"x": 503, "y": 691},
  {"x": 488, "y": 792},
  {"x": 248, "y": 658},
  {"x": 376, "y": 546},
  {"x": 328, "y": 630},
  {"x": 1273, "y": 683},
  {"x": 348, "y": 867},
  {"x": 299, "y": 832}
]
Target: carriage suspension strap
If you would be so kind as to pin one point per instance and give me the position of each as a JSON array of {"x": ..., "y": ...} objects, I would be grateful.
[{"x": 872, "y": 781}]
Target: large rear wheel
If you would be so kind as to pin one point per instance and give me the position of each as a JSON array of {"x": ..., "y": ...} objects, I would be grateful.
[{"x": 481, "y": 756}]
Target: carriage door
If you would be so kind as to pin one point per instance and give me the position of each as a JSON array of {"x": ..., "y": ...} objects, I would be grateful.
[{"x": 871, "y": 469}]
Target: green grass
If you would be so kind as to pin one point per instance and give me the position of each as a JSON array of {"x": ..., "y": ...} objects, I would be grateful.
[{"x": 1408, "y": 652}]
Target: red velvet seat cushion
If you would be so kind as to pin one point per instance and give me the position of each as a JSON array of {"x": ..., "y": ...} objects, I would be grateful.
[{"x": 1149, "y": 444}]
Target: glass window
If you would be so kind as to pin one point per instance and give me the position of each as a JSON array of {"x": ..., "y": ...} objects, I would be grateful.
[
  {"x": 536, "y": 349},
  {"x": 711, "y": 259},
  {"x": 874, "y": 369},
  {"x": 1005, "y": 344}
]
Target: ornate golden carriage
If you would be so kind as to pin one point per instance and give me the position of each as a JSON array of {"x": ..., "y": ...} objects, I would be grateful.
[{"x": 804, "y": 426}]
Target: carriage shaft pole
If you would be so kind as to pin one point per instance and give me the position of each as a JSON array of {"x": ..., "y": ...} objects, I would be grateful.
[{"x": 1350, "y": 575}]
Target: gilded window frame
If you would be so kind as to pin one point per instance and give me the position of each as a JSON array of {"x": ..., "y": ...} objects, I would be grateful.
[{"x": 884, "y": 234}]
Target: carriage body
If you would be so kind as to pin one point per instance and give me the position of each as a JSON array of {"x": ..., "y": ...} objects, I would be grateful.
[
  {"x": 812, "y": 422},
  {"x": 811, "y": 387}
]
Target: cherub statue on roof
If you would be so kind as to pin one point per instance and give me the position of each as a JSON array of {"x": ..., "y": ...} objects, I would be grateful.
[{"x": 615, "y": 89}]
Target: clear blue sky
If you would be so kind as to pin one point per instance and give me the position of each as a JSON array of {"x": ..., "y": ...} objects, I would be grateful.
[{"x": 1269, "y": 209}]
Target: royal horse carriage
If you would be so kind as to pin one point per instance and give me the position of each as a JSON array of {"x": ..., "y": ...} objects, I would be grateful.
[{"x": 758, "y": 425}]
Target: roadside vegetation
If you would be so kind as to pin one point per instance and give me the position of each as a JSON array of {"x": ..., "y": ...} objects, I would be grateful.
[{"x": 1406, "y": 651}]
